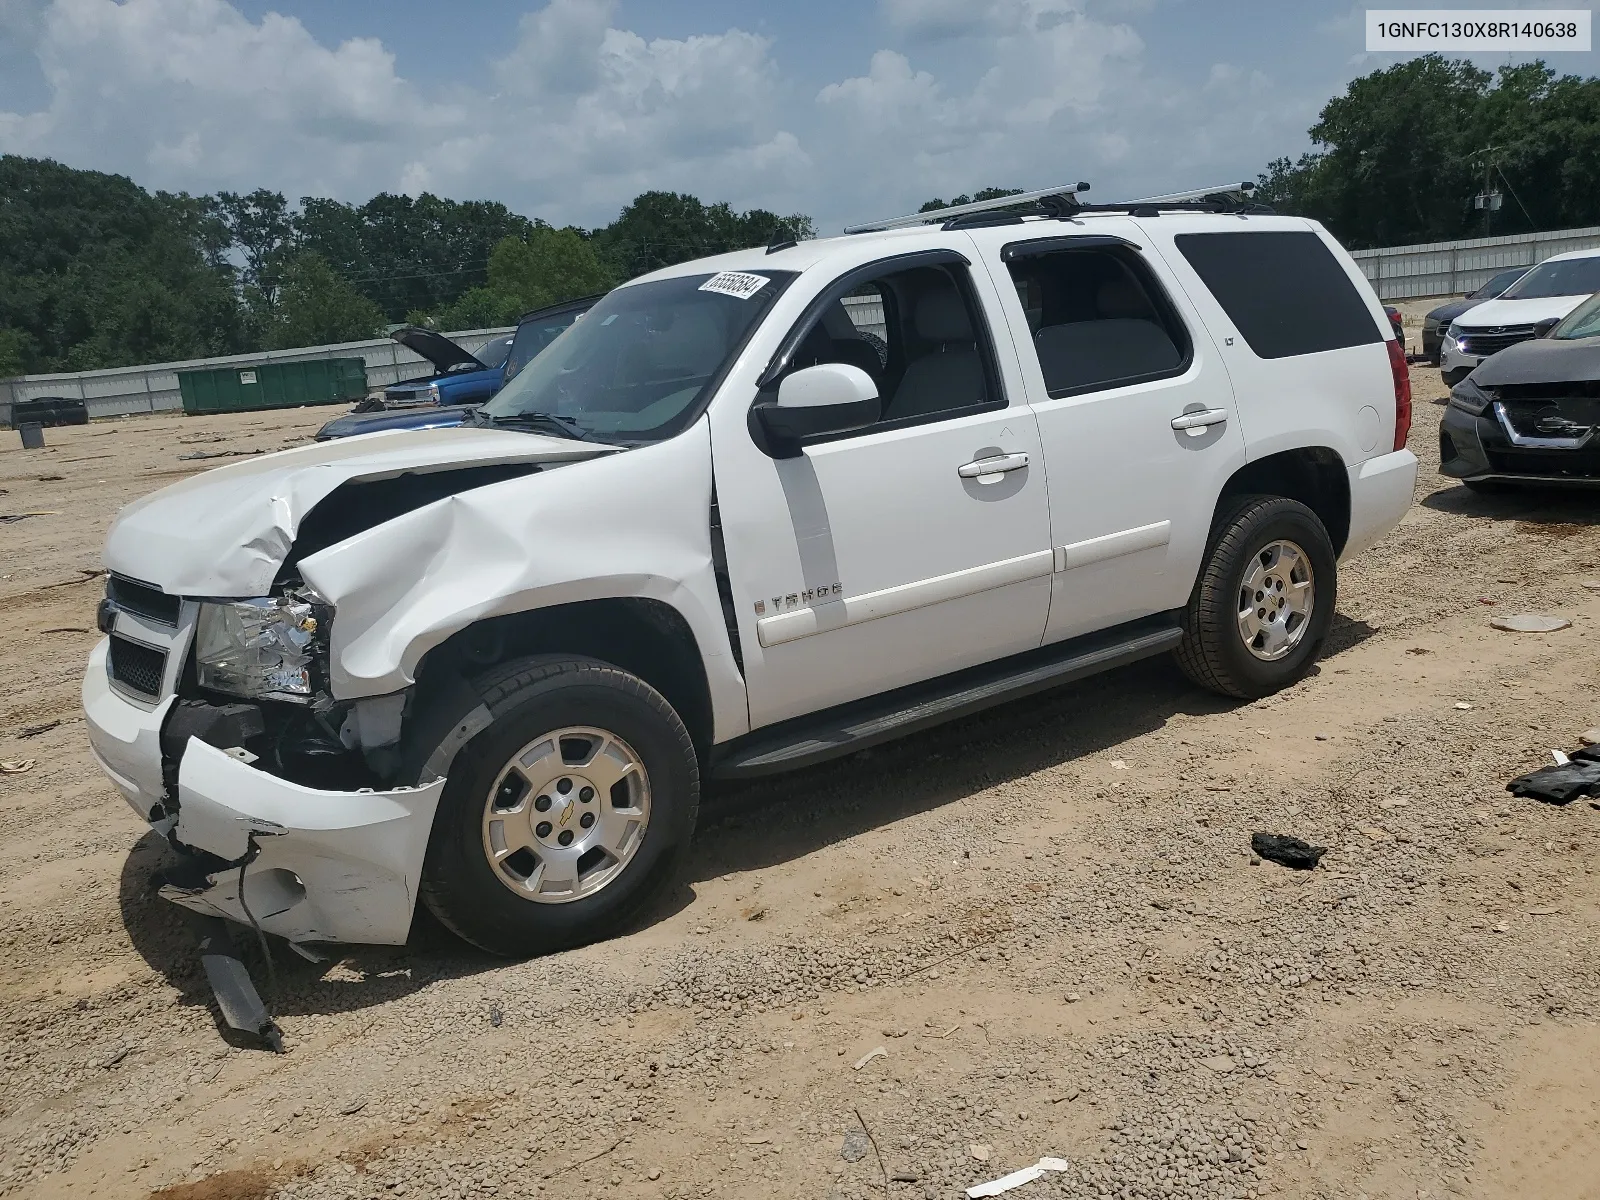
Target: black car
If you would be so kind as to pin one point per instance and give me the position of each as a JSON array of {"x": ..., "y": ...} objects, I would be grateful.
[
  {"x": 535, "y": 331},
  {"x": 1438, "y": 319},
  {"x": 1531, "y": 413}
]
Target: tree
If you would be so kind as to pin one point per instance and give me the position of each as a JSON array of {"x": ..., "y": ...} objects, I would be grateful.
[
  {"x": 988, "y": 193},
  {"x": 260, "y": 227},
  {"x": 658, "y": 229},
  {"x": 317, "y": 306}
]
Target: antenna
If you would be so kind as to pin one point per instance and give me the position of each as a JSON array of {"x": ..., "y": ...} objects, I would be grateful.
[{"x": 941, "y": 215}]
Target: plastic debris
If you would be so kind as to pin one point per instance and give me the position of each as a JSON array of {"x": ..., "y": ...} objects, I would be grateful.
[
  {"x": 1560, "y": 757},
  {"x": 1287, "y": 851},
  {"x": 16, "y": 766},
  {"x": 8, "y": 518},
  {"x": 1463, "y": 705},
  {"x": 1530, "y": 623},
  {"x": 1564, "y": 782},
  {"x": 878, "y": 1052},
  {"x": 1017, "y": 1178}
]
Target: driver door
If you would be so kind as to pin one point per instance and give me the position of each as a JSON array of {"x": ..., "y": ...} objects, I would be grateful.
[{"x": 882, "y": 557}]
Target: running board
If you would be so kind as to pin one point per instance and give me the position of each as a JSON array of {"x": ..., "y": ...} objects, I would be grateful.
[{"x": 863, "y": 723}]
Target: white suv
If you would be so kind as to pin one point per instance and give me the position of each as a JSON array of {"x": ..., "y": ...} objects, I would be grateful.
[
  {"x": 1525, "y": 310},
  {"x": 747, "y": 514}
]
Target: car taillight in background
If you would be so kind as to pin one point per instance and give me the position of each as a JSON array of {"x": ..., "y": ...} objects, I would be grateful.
[{"x": 1402, "y": 393}]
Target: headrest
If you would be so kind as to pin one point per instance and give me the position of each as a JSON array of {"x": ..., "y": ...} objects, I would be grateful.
[{"x": 942, "y": 316}]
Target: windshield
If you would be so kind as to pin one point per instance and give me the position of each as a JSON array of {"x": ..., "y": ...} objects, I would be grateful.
[
  {"x": 1567, "y": 277},
  {"x": 635, "y": 368},
  {"x": 492, "y": 354},
  {"x": 1581, "y": 322},
  {"x": 534, "y": 334},
  {"x": 1498, "y": 284}
]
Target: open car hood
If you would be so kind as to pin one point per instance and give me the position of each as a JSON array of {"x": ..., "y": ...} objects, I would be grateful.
[
  {"x": 1543, "y": 360},
  {"x": 435, "y": 347},
  {"x": 226, "y": 532}
]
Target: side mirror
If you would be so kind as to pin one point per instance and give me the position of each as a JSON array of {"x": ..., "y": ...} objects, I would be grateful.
[
  {"x": 1543, "y": 328},
  {"x": 827, "y": 398}
]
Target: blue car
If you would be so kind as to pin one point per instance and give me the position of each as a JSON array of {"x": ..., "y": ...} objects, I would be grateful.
[{"x": 464, "y": 380}]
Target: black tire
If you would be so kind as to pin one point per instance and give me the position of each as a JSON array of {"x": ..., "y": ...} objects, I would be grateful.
[
  {"x": 528, "y": 698},
  {"x": 1212, "y": 652}
]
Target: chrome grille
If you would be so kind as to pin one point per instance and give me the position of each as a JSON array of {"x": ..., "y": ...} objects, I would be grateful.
[{"x": 1483, "y": 342}]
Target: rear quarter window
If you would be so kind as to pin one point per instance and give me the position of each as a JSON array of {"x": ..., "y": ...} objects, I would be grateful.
[{"x": 1283, "y": 290}]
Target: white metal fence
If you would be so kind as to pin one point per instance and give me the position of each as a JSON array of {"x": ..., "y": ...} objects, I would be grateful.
[
  {"x": 1455, "y": 268},
  {"x": 120, "y": 390}
]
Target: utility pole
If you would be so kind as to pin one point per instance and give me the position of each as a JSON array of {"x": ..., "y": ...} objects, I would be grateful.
[{"x": 1487, "y": 200}]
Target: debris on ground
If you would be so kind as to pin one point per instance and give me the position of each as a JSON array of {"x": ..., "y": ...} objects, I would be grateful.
[
  {"x": 1590, "y": 737},
  {"x": 15, "y": 766},
  {"x": 877, "y": 1052},
  {"x": 855, "y": 1146},
  {"x": 199, "y": 454},
  {"x": 980, "y": 1151},
  {"x": 1564, "y": 782},
  {"x": 32, "y": 731},
  {"x": 1287, "y": 851},
  {"x": 1017, "y": 1178},
  {"x": 1463, "y": 706},
  {"x": 9, "y": 518},
  {"x": 1529, "y": 623}
]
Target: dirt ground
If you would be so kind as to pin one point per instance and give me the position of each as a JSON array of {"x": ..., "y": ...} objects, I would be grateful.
[{"x": 1036, "y": 932}]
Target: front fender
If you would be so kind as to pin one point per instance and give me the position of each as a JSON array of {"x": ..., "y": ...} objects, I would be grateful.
[{"x": 635, "y": 524}]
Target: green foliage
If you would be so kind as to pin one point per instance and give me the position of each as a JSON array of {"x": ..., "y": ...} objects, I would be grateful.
[
  {"x": 316, "y": 306},
  {"x": 97, "y": 272},
  {"x": 662, "y": 228},
  {"x": 1401, "y": 154},
  {"x": 988, "y": 193}
]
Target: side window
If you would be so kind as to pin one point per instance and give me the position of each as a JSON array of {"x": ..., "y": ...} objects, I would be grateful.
[
  {"x": 918, "y": 334},
  {"x": 1098, "y": 319},
  {"x": 1282, "y": 289}
]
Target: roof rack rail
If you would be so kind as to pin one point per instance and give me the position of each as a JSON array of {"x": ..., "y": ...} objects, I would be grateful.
[
  {"x": 942, "y": 215},
  {"x": 1062, "y": 203}
]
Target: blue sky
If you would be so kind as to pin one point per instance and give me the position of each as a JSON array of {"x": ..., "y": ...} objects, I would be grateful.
[{"x": 565, "y": 109}]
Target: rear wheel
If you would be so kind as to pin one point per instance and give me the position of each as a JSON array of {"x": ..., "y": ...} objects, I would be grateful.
[
  {"x": 1261, "y": 609},
  {"x": 568, "y": 816}
]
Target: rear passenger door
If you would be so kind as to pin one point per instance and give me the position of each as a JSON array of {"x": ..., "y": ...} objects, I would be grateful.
[{"x": 1136, "y": 415}]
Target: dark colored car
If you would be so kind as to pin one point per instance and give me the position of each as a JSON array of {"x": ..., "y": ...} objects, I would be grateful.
[
  {"x": 535, "y": 331},
  {"x": 1438, "y": 319},
  {"x": 1531, "y": 413}
]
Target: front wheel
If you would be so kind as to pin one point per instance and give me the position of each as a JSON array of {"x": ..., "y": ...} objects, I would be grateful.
[
  {"x": 1261, "y": 609},
  {"x": 568, "y": 816}
]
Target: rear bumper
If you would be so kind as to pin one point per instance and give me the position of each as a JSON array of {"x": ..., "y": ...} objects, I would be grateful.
[
  {"x": 331, "y": 866},
  {"x": 1380, "y": 495}
]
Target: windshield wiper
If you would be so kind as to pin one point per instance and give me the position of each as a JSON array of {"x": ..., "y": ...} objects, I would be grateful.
[{"x": 564, "y": 425}]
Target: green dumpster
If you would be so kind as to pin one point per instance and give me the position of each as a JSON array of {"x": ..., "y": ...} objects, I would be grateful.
[{"x": 273, "y": 385}]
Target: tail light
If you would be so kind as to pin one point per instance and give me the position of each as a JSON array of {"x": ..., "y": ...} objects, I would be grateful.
[{"x": 1402, "y": 393}]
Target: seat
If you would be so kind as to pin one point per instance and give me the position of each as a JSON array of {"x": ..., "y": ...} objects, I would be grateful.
[
  {"x": 1125, "y": 342},
  {"x": 950, "y": 376}
]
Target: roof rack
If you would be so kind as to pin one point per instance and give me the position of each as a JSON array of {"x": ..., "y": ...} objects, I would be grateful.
[
  {"x": 940, "y": 216},
  {"x": 1062, "y": 203}
]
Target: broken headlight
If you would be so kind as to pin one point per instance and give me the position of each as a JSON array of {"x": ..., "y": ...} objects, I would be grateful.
[
  {"x": 263, "y": 649},
  {"x": 1470, "y": 398}
]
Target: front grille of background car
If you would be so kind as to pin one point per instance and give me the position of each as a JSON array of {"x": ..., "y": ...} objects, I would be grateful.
[
  {"x": 143, "y": 599},
  {"x": 1561, "y": 464},
  {"x": 1481, "y": 345},
  {"x": 1525, "y": 415},
  {"x": 137, "y": 667}
]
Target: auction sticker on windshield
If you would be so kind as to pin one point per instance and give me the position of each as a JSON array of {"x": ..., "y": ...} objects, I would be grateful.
[{"x": 737, "y": 284}]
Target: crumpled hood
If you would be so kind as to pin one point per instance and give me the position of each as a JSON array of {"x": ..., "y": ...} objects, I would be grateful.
[
  {"x": 1543, "y": 360},
  {"x": 227, "y": 531},
  {"x": 1518, "y": 312}
]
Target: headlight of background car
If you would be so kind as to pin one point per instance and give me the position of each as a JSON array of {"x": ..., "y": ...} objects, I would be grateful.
[
  {"x": 257, "y": 648},
  {"x": 1452, "y": 335},
  {"x": 1470, "y": 398}
]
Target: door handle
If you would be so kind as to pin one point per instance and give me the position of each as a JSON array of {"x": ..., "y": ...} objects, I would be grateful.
[
  {"x": 988, "y": 470},
  {"x": 1196, "y": 423}
]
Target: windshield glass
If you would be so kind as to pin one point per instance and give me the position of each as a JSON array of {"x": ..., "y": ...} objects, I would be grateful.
[
  {"x": 1581, "y": 322},
  {"x": 634, "y": 369},
  {"x": 1569, "y": 277},
  {"x": 1498, "y": 284},
  {"x": 534, "y": 334},
  {"x": 492, "y": 354}
]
